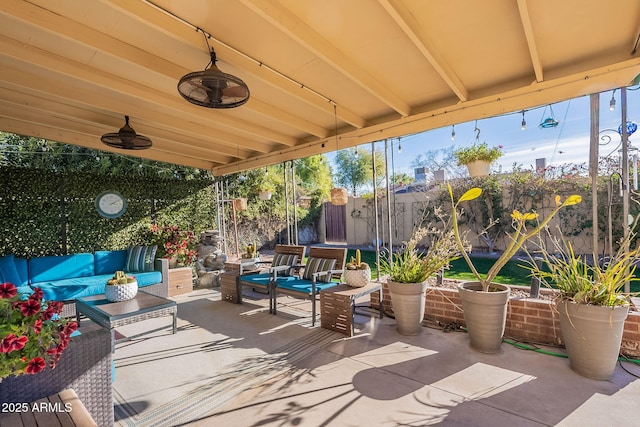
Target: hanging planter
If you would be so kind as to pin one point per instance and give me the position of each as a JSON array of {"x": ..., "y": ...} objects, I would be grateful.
[
  {"x": 266, "y": 194},
  {"x": 478, "y": 168},
  {"x": 339, "y": 196}
]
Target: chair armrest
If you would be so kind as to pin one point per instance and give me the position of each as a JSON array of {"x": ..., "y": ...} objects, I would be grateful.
[{"x": 162, "y": 265}]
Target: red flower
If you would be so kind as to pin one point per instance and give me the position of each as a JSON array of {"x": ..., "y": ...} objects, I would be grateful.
[
  {"x": 37, "y": 326},
  {"x": 20, "y": 342},
  {"x": 6, "y": 345},
  {"x": 35, "y": 365},
  {"x": 70, "y": 328},
  {"x": 7, "y": 290},
  {"x": 30, "y": 307},
  {"x": 37, "y": 294}
]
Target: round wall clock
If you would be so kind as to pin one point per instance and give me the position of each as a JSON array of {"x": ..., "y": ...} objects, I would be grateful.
[{"x": 111, "y": 204}]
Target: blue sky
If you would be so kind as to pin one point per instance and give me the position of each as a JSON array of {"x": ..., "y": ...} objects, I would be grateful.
[{"x": 566, "y": 143}]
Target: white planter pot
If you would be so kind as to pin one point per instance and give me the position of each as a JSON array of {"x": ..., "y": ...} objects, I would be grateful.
[
  {"x": 478, "y": 168},
  {"x": 592, "y": 335},
  {"x": 265, "y": 195},
  {"x": 357, "y": 278},
  {"x": 115, "y": 293},
  {"x": 408, "y": 301},
  {"x": 485, "y": 314}
]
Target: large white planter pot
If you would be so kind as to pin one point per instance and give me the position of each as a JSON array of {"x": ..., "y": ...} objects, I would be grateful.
[
  {"x": 592, "y": 335},
  {"x": 478, "y": 168},
  {"x": 115, "y": 293},
  {"x": 408, "y": 300},
  {"x": 485, "y": 314}
]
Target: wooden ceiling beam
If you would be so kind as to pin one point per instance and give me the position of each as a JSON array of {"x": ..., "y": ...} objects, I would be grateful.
[
  {"x": 281, "y": 18},
  {"x": 527, "y": 27},
  {"x": 410, "y": 26}
]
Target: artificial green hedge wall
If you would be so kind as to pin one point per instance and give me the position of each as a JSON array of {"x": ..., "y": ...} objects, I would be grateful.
[{"x": 46, "y": 213}]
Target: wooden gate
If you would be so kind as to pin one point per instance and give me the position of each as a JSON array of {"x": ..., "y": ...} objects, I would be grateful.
[{"x": 336, "y": 222}]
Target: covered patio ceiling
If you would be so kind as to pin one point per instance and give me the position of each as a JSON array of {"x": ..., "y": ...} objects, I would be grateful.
[{"x": 72, "y": 69}]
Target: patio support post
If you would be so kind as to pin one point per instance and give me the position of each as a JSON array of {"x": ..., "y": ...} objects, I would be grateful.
[
  {"x": 286, "y": 203},
  {"x": 386, "y": 172},
  {"x": 375, "y": 209},
  {"x": 593, "y": 166},
  {"x": 294, "y": 204},
  {"x": 625, "y": 173}
]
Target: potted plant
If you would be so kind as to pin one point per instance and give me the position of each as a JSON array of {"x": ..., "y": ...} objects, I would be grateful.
[
  {"x": 478, "y": 157},
  {"x": 357, "y": 273},
  {"x": 408, "y": 272},
  {"x": 590, "y": 301},
  {"x": 121, "y": 287},
  {"x": 32, "y": 333},
  {"x": 266, "y": 192},
  {"x": 485, "y": 303}
]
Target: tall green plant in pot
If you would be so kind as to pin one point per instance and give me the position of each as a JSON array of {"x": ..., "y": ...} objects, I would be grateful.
[
  {"x": 590, "y": 302},
  {"x": 408, "y": 271},
  {"x": 485, "y": 303}
]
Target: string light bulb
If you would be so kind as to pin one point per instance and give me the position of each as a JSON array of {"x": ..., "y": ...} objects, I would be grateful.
[
  {"x": 399, "y": 146},
  {"x": 612, "y": 103},
  {"x": 524, "y": 122},
  {"x": 453, "y": 132}
]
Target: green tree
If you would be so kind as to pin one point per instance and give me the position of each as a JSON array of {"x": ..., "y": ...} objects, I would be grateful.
[
  {"x": 354, "y": 168},
  {"x": 314, "y": 176},
  {"x": 401, "y": 178}
]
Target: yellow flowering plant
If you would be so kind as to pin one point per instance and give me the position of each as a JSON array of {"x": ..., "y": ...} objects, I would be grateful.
[{"x": 520, "y": 236}]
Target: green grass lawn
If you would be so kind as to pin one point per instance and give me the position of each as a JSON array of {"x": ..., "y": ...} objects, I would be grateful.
[{"x": 511, "y": 273}]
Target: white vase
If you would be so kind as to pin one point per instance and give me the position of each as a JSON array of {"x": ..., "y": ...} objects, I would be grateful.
[
  {"x": 123, "y": 292},
  {"x": 592, "y": 335},
  {"x": 478, "y": 168},
  {"x": 265, "y": 195},
  {"x": 357, "y": 278},
  {"x": 485, "y": 314},
  {"x": 408, "y": 302}
]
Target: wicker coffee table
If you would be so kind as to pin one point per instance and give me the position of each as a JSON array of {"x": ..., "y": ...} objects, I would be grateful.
[{"x": 111, "y": 315}]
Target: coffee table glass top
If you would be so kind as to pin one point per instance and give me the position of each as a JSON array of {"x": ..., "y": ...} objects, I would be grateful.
[{"x": 140, "y": 304}]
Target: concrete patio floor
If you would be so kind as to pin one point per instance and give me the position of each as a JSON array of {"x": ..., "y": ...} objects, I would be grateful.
[{"x": 237, "y": 365}]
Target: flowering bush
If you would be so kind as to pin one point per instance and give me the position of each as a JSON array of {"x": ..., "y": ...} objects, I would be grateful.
[
  {"x": 175, "y": 243},
  {"x": 32, "y": 334},
  {"x": 466, "y": 155}
]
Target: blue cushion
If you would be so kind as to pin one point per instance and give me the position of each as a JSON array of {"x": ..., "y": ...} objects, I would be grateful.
[
  {"x": 49, "y": 268},
  {"x": 148, "y": 278},
  {"x": 140, "y": 258},
  {"x": 261, "y": 279},
  {"x": 302, "y": 286},
  {"x": 108, "y": 262},
  {"x": 22, "y": 265},
  {"x": 70, "y": 289},
  {"x": 316, "y": 265},
  {"x": 8, "y": 270}
]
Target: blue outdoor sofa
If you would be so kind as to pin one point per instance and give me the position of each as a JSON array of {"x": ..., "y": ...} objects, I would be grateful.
[{"x": 68, "y": 277}]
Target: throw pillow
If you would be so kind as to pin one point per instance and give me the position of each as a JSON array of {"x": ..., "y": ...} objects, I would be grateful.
[
  {"x": 316, "y": 265},
  {"x": 284, "y": 259},
  {"x": 141, "y": 258},
  {"x": 8, "y": 270}
]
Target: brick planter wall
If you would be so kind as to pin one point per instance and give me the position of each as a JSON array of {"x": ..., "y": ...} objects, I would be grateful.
[{"x": 528, "y": 320}]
